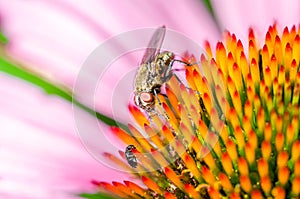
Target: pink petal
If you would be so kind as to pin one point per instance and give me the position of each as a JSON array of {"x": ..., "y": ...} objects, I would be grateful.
[
  {"x": 39, "y": 143},
  {"x": 58, "y": 36},
  {"x": 41, "y": 154},
  {"x": 237, "y": 16}
]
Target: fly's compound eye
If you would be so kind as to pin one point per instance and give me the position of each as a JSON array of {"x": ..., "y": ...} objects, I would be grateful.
[
  {"x": 147, "y": 98},
  {"x": 137, "y": 100},
  {"x": 130, "y": 147}
]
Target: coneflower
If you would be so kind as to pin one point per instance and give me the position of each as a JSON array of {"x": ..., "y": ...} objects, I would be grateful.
[{"x": 233, "y": 131}]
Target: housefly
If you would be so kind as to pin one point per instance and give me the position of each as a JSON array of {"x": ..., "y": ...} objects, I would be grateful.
[
  {"x": 130, "y": 157},
  {"x": 155, "y": 70}
]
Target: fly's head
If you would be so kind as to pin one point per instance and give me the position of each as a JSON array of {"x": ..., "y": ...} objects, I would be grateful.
[
  {"x": 165, "y": 58},
  {"x": 145, "y": 100},
  {"x": 130, "y": 147}
]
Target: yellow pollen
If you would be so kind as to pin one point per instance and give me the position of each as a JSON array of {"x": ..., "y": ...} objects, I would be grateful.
[
  {"x": 256, "y": 194},
  {"x": 208, "y": 175},
  {"x": 225, "y": 182},
  {"x": 263, "y": 168},
  {"x": 152, "y": 185},
  {"x": 296, "y": 186},
  {"x": 278, "y": 193},
  {"x": 231, "y": 149},
  {"x": 250, "y": 153},
  {"x": 136, "y": 188},
  {"x": 266, "y": 184},
  {"x": 243, "y": 166},
  {"x": 227, "y": 164},
  {"x": 283, "y": 175},
  {"x": 246, "y": 183},
  {"x": 266, "y": 149},
  {"x": 168, "y": 195},
  {"x": 174, "y": 178},
  {"x": 191, "y": 191}
]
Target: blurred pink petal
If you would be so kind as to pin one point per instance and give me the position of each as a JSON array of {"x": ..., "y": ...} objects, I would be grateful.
[
  {"x": 237, "y": 16},
  {"x": 38, "y": 140},
  {"x": 41, "y": 155},
  {"x": 56, "y": 37}
]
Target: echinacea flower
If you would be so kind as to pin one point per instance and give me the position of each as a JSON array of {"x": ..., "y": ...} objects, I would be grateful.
[
  {"x": 234, "y": 130},
  {"x": 54, "y": 37}
]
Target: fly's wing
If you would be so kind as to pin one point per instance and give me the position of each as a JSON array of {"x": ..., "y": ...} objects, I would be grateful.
[{"x": 154, "y": 45}]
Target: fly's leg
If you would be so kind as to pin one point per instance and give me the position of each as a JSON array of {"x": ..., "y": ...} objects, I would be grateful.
[
  {"x": 155, "y": 111},
  {"x": 187, "y": 88},
  {"x": 168, "y": 74},
  {"x": 185, "y": 63},
  {"x": 156, "y": 92}
]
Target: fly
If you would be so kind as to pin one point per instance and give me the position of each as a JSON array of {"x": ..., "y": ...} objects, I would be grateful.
[
  {"x": 130, "y": 157},
  {"x": 155, "y": 70}
]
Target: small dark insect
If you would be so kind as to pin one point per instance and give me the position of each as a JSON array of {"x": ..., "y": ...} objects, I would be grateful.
[
  {"x": 154, "y": 71},
  {"x": 131, "y": 158}
]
